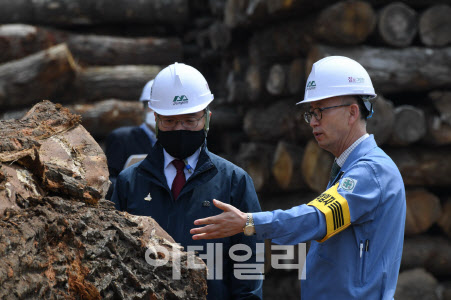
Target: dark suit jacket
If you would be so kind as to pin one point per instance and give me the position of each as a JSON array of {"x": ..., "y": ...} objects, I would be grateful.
[{"x": 120, "y": 144}]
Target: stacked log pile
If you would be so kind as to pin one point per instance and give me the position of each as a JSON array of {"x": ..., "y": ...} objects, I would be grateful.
[{"x": 256, "y": 56}]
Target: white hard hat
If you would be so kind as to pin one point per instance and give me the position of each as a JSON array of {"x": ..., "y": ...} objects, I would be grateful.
[
  {"x": 179, "y": 89},
  {"x": 338, "y": 76},
  {"x": 145, "y": 95}
]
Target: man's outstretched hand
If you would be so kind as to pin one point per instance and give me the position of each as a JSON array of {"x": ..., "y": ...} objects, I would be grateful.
[{"x": 226, "y": 224}]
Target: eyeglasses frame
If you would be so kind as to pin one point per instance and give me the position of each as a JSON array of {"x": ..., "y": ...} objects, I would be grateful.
[{"x": 309, "y": 114}]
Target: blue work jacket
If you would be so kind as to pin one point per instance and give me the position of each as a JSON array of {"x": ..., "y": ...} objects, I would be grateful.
[
  {"x": 360, "y": 258},
  {"x": 213, "y": 178}
]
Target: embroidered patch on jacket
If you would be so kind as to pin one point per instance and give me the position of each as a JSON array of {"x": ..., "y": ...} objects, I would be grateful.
[
  {"x": 336, "y": 210},
  {"x": 206, "y": 203},
  {"x": 348, "y": 184},
  {"x": 148, "y": 198}
]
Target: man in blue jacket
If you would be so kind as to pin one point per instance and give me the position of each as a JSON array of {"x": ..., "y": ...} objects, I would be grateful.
[
  {"x": 124, "y": 142},
  {"x": 177, "y": 181},
  {"x": 357, "y": 224}
]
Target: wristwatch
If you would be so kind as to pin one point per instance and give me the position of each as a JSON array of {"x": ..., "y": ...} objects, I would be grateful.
[{"x": 249, "y": 228}]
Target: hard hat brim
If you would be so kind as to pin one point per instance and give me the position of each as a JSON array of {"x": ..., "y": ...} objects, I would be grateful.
[
  {"x": 322, "y": 98},
  {"x": 180, "y": 111}
]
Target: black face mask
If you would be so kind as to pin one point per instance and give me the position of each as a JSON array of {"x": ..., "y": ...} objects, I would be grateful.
[{"x": 181, "y": 143}]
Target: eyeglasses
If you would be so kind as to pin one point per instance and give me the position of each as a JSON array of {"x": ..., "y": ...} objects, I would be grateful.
[
  {"x": 317, "y": 112},
  {"x": 187, "y": 123}
]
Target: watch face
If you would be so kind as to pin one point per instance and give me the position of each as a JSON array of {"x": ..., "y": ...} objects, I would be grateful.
[{"x": 249, "y": 230}]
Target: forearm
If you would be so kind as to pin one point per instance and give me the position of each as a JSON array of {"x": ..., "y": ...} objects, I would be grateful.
[{"x": 296, "y": 225}]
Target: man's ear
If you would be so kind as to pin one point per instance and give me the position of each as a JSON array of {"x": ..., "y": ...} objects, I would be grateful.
[{"x": 354, "y": 113}]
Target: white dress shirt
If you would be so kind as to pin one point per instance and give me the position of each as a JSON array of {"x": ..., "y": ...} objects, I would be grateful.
[{"x": 170, "y": 171}]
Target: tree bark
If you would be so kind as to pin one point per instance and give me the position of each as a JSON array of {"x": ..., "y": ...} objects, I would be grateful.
[
  {"x": 286, "y": 166},
  {"x": 49, "y": 142},
  {"x": 413, "y": 69},
  {"x": 316, "y": 165},
  {"x": 108, "y": 50},
  {"x": 82, "y": 12},
  {"x": 423, "y": 210},
  {"x": 381, "y": 123},
  {"x": 397, "y": 24},
  {"x": 422, "y": 166},
  {"x": 256, "y": 159},
  {"x": 346, "y": 23},
  {"x": 102, "y": 117},
  {"x": 119, "y": 82},
  {"x": 19, "y": 40},
  {"x": 43, "y": 75},
  {"x": 409, "y": 125},
  {"x": 435, "y": 25},
  {"x": 61, "y": 248}
]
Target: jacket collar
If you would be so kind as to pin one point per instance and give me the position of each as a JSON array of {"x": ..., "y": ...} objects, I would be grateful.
[
  {"x": 361, "y": 150},
  {"x": 154, "y": 163}
]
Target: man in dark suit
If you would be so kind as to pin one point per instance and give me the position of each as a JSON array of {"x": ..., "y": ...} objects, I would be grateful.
[{"x": 125, "y": 143}]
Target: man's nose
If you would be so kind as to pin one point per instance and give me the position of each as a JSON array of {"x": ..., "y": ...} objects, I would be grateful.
[
  {"x": 313, "y": 122},
  {"x": 179, "y": 125}
]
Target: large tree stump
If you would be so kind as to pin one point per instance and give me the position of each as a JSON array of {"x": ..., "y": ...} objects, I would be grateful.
[
  {"x": 74, "y": 244},
  {"x": 79, "y": 12},
  {"x": 102, "y": 117},
  {"x": 397, "y": 24},
  {"x": 45, "y": 74},
  {"x": 396, "y": 70},
  {"x": 409, "y": 125},
  {"x": 381, "y": 123},
  {"x": 435, "y": 26},
  {"x": 316, "y": 165},
  {"x": 423, "y": 210},
  {"x": 423, "y": 166},
  {"x": 58, "y": 248},
  {"x": 286, "y": 166},
  {"x": 58, "y": 151}
]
